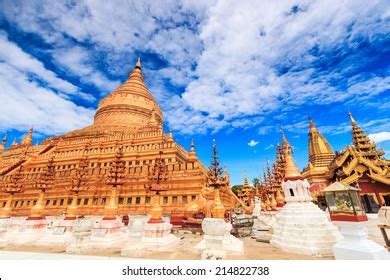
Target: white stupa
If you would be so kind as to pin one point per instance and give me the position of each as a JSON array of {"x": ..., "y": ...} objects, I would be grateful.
[{"x": 301, "y": 227}]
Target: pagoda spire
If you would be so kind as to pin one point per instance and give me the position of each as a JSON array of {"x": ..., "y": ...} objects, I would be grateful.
[
  {"x": 216, "y": 180},
  {"x": 311, "y": 124},
  {"x": 2, "y": 144},
  {"x": 353, "y": 122},
  {"x": 138, "y": 64},
  {"x": 246, "y": 183},
  {"x": 292, "y": 172},
  {"x": 361, "y": 142},
  {"x": 320, "y": 151},
  {"x": 27, "y": 139},
  {"x": 192, "y": 153},
  {"x": 137, "y": 74}
]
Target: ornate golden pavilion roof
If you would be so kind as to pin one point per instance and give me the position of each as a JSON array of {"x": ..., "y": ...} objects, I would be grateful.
[
  {"x": 359, "y": 159},
  {"x": 131, "y": 105},
  {"x": 362, "y": 143}
]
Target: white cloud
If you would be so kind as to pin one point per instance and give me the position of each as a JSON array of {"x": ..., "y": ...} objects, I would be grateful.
[
  {"x": 269, "y": 147},
  {"x": 78, "y": 61},
  {"x": 11, "y": 54},
  {"x": 25, "y": 103},
  {"x": 253, "y": 143},
  {"x": 227, "y": 55},
  {"x": 380, "y": 136}
]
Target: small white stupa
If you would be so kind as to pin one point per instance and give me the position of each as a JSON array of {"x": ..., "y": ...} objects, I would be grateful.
[{"x": 301, "y": 227}]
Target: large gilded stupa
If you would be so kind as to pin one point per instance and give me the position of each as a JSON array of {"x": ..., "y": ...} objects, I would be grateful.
[{"x": 128, "y": 118}]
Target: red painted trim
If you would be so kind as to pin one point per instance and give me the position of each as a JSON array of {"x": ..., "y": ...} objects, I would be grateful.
[
  {"x": 108, "y": 218},
  {"x": 35, "y": 218},
  {"x": 346, "y": 218},
  {"x": 155, "y": 221},
  {"x": 69, "y": 218}
]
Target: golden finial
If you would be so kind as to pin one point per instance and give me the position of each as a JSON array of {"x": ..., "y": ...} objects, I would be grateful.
[
  {"x": 311, "y": 124},
  {"x": 353, "y": 122},
  {"x": 138, "y": 64},
  {"x": 284, "y": 140},
  {"x": 192, "y": 153}
]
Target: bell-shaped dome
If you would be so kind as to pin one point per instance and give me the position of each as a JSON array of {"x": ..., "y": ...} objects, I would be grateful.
[{"x": 130, "y": 106}]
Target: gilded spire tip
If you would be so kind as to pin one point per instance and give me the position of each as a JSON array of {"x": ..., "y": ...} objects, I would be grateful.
[
  {"x": 311, "y": 124},
  {"x": 353, "y": 122},
  {"x": 138, "y": 64}
]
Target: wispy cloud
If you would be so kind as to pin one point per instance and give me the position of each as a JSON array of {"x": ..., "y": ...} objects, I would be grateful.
[
  {"x": 216, "y": 65},
  {"x": 269, "y": 147},
  {"x": 33, "y": 95},
  {"x": 380, "y": 136},
  {"x": 253, "y": 143}
]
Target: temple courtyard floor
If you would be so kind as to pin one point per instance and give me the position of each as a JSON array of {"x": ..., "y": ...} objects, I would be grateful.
[{"x": 253, "y": 250}]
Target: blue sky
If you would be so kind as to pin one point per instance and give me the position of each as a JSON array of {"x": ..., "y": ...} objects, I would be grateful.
[{"x": 234, "y": 71}]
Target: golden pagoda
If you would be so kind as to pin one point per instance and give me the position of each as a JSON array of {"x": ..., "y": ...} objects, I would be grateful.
[
  {"x": 291, "y": 169},
  {"x": 320, "y": 156},
  {"x": 130, "y": 118},
  {"x": 246, "y": 192},
  {"x": 362, "y": 165}
]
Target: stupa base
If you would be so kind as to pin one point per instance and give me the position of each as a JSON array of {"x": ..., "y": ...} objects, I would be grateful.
[
  {"x": 60, "y": 235},
  {"x": 355, "y": 245},
  {"x": 27, "y": 232},
  {"x": 303, "y": 228},
  {"x": 217, "y": 241},
  {"x": 107, "y": 235},
  {"x": 158, "y": 237},
  {"x": 4, "y": 227}
]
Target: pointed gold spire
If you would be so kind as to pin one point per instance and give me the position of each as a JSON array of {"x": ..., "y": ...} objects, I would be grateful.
[
  {"x": 311, "y": 125},
  {"x": 27, "y": 139},
  {"x": 292, "y": 171},
  {"x": 353, "y": 122},
  {"x": 137, "y": 74},
  {"x": 362, "y": 143},
  {"x": 138, "y": 64},
  {"x": 320, "y": 151},
  {"x": 192, "y": 154},
  {"x": 284, "y": 139},
  {"x": 246, "y": 183}
]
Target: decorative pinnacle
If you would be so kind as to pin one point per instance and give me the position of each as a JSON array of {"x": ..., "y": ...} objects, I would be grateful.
[
  {"x": 192, "y": 145},
  {"x": 285, "y": 142},
  {"x": 138, "y": 64},
  {"x": 353, "y": 122},
  {"x": 311, "y": 123}
]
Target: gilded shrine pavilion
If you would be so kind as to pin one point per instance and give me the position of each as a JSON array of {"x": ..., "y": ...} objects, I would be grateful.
[
  {"x": 361, "y": 165},
  {"x": 128, "y": 119}
]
